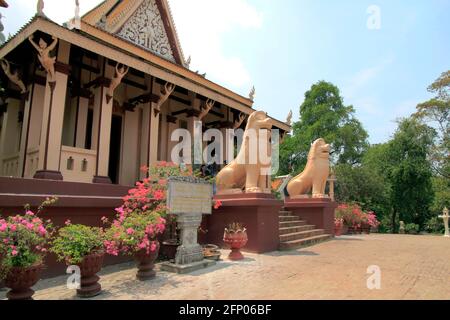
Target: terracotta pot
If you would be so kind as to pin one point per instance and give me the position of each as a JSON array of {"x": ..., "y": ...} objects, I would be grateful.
[
  {"x": 89, "y": 267},
  {"x": 20, "y": 280},
  {"x": 145, "y": 263},
  {"x": 2, "y": 285},
  {"x": 338, "y": 231},
  {"x": 236, "y": 241}
]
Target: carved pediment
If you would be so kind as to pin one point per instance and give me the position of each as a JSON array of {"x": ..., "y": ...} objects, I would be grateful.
[{"x": 145, "y": 28}]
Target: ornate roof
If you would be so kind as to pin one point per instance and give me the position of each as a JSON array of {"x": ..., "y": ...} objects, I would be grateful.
[{"x": 146, "y": 23}]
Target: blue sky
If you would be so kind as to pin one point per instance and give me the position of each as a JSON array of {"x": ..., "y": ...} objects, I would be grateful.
[{"x": 284, "y": 46}]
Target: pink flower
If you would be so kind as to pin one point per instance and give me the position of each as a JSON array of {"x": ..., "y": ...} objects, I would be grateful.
[
  {"x": 42, "y": 231},
  {"x": 3, "y": 227},
  {"x": 30, "y": 226},
  {"x": 30, "y": 213},
  {"x": 14, "y": 253},
  {"x": 13, "y": 227},
  {"x": 68, "y": 222},
  {"x": 130, "y": 231},
  {"x": 153, "y": 247}
]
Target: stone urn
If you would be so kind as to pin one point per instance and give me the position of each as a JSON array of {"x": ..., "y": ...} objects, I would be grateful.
[
  {"x": 145, "y": 263},
  {"x": 20, "y": 280},
  {"x": 236, "y": 239},
  {"x": 89, "y": 267}
]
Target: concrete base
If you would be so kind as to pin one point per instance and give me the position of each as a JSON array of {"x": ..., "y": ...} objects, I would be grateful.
[
  {"x": 317, "y": 211},
  {"x": 187, "y": 268},
  {"x": 48, "y": 175},
  {"x": 258, "y": 212},
  {"x": 102, "y": 180}
]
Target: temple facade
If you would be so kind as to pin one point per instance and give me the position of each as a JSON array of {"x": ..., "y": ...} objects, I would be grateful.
[{"x": 94, "y": 100}]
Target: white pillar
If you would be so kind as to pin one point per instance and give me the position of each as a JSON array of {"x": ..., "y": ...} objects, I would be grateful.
[{"x": 83, "y": 109}]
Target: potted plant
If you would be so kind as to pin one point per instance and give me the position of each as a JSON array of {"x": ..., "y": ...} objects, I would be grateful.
[
  {"x": 338, "y": 226},
  {"x": 82, "y": 246},
  {"x": 23, "y": 240},
  {"x": 135, "y": 234},
  {"x": 236, "y": 237}
]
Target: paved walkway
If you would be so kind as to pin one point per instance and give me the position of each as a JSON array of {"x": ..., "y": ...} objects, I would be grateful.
[{"x": 412, "y": 267}]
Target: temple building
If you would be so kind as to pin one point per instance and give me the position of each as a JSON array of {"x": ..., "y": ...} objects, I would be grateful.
[
  {"x": 121, "y": 85},
  {"x": 97, "y": 98}
]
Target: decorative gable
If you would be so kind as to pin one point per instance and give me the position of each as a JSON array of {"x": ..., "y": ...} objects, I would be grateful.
[{"x": 145, "y": 28}]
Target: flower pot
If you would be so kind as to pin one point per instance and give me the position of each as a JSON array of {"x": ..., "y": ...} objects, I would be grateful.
[
  {"x": 89, "y": 267},
  {"x": 169, "y": 249},
  {"x": 365, "y": 229},
  {"x": 338, "y": 231},
  {"x": 236, "y": 241},
  {"x": 145, "y": 263},
  {"x": 20, "y": 280}
]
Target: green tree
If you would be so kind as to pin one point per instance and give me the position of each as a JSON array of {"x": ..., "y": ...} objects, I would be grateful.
[
  {"x": 409, "y": 172},
  {"x": 436, "y": 112},
  {"x": 324, "y": 115}
]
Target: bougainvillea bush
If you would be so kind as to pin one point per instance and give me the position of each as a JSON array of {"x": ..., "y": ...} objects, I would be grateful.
[
  {"x": 353, "y": 216},
  {"x": 23, "y": 239},
  {"x": 74, "y": 242}
]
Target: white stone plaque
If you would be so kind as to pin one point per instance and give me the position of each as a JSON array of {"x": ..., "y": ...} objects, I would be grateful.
[{"x": 189, "y": 196}]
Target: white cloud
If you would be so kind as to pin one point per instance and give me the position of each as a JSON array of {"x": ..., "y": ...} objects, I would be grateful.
[
  {"x": 364, "y": 76},
  {"x": 201, "y": 26}
]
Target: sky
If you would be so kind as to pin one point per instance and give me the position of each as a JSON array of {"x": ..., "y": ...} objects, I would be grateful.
[{"x": 381, "y": 54}]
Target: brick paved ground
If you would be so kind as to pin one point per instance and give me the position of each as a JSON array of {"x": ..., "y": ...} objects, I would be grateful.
[{"x": 413, "y": 267}]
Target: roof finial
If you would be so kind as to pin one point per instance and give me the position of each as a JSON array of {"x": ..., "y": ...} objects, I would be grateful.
[
  {"x": 289, "y": 118},
  {"x": 75, "y": 22},
  {"x": 188, "y": 62},
  {"x": 252, "y": 93},
  {"x": 40, "y": 8}
]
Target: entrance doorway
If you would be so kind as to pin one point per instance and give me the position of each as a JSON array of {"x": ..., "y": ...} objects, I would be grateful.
[{"x": 115, "y": 148}]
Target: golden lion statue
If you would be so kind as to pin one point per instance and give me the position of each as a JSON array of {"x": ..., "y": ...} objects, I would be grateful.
[
  {"x": 315, "y": 175},
  {"x": 248, "y": 171}
]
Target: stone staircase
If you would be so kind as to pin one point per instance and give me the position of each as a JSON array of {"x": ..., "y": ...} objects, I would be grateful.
[{"x": 296, "y": 233}]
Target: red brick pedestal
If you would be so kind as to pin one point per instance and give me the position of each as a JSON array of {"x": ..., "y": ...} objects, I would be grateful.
[
  {"x": 259, "y": 213},
  {"x": 319, "y": 212}
]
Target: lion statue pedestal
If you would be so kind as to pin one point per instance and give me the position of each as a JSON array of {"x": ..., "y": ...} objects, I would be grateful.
[
  {"x": 244, "y": 188},
  {"x": 316, "y": 208}
]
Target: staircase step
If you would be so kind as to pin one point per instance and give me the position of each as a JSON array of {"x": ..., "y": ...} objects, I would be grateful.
[
  {"x": 288, "y": 218},
  {"x": 297, "y": 244},
  {"x": 301, "y": 235},
  {"x": 288, "y": 230},
  {"x": 285, "y": 213},
  {"x": 295, "y": 223}
]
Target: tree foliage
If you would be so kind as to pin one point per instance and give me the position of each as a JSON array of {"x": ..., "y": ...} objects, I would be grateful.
[{"x": 324, "y": 115}]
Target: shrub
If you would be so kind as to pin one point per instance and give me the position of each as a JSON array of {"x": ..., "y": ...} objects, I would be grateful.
[
  {"x": 74, "y": 242},
  {"x": 134, "y": 232},
  {"x": 435, "y": 225},
  {"x": 412, "y": 228}
]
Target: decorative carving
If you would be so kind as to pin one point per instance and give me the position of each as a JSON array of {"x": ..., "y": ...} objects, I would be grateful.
[
  {"x": 239, "y": 121},
  {"x": 75, "y": 22},
  {"x": 40, "y": 8},
  {"x": 168, "y": 89},
  {"x": 241, "y": 174},
  {"x": 289, "y": 118},
  {"x": 115, "y": 82},
  {"x": 316, "y": 172},
  {"x": 252, "y": 93},
  {"x": 13, "y": 76},
  {"x": 206, "y": 109},
  {"x": 146, "y": 29},
  {"x": 188, "y": 62},
  {"x": 44, "y": 55}
]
